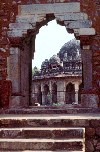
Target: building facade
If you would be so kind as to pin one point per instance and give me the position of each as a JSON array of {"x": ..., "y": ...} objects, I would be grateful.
[{"x": 59, "y": 81}]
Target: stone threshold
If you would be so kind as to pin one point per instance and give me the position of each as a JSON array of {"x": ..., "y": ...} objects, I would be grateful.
[{"x": 86, "y": 116}]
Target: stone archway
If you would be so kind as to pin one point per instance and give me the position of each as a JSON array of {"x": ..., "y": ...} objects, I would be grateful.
[{"x": 24, "y": 22}]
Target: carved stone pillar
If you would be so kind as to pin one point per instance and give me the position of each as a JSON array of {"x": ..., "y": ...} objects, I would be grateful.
[
  {"x": 76, "y": 92},
  {"x": 43, "y": 94},
  {"x": 87, "y": 67},
  {"x": 50, "y": 89},
  {"x": 60, "y": 92},
  {"x": 88, "y": 97},
  {"x": 13, "y": 69},
  {"x": 64, "y": 90}
]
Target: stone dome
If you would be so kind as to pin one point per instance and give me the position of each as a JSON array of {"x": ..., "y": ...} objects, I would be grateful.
[
  {"x": 70, "y": 51},
  {"x": 54, "y": 60},
  {"x": 45, "y": 64}
]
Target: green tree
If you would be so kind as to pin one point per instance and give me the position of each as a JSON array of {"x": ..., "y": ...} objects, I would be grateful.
[{"x": 35, "y": 70}]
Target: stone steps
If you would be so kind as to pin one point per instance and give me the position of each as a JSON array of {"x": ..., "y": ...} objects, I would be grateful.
[
  {"x": 40, "y": 151},
  {"x": 51, "y": 110},
  {"x": 47, "y": 133},
  {"x": 40, "y": 144},
  {"x": 39, "y": 133},
  {"x": 55, "y": 120}
]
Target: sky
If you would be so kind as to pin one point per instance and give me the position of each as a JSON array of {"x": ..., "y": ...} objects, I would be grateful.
[{"x": 49, "y": 41}]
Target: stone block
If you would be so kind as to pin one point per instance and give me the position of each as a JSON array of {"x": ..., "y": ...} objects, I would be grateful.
[
  {"x": 89, "y": 100},
  {"x": 95, "y": 123},
  {"x": 30, "y": 18},
  {"x": 49, "y": 8},
  {"x": 41, "y": 133},
  {"x": 20, "y": 26},
  {"x": 85, "y": 31},
  {"x": 90, "y": 132},
  {"x": 4, "y": 134},
  {"x": 14, "y": 51},
  {"x": 98, "y": 146},
  {"x": 15, "y": 102},
  {"x": 44, "y": 145},
  {"x": 71, "y": 16},
  {"x": 16, "y": 33},
  {"x": 86, "y": 47},
  {"x": 98, "y": 131},
  {"x": 89, "y": 146},
  {"x": 78, "y": 24}
]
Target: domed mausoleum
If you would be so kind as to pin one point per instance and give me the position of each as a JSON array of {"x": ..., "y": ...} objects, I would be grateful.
[{"x": 60, "y": 79}]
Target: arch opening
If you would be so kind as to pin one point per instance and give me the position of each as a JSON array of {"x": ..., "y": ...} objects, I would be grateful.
[
  {"x": 40, "y": 22},
  {"x": 65, "y": 64}
]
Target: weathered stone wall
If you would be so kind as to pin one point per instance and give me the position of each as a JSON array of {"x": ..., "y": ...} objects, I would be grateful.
[
  {"x": 92, "y": 9},
  {"x": 90, "y": 125},
  {"x": 92, "y": 134},
  {"x": 26, "y": 61},
  {"x": 8, "y": 13}
]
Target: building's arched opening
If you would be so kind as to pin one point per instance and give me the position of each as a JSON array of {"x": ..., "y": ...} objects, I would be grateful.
[
  {"x": 24, "y": 50},
  {"x": 48, "y": 41},
  {"x": 54, "y": 93},
  {"x": 69, "y": 62},
  {"x": 70, "y": 93}
]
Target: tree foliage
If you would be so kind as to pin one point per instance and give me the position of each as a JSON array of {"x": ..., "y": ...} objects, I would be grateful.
[{"x": 35, "y": 70}]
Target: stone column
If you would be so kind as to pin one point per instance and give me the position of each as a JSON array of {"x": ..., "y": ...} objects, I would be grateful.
[
  {"x": 13, "y": 67},
  {"x": 88, "y": 99},
  {"x": 43, "y": 95},
  {"x": 26, "y": 74},
  {"x": 60, "y": 92},
  {"x": 36, "y": 93},
  {"x": 50, "y": 89},
  {"x": 76, "y": 92},
  {"x": 87, "y": 67},
  {"x": 33, "y": 93},
  {"x": 64, "y": 89}
]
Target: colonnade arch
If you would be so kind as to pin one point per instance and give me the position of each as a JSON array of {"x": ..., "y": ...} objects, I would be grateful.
[
  {"x": 27, "y": 22},
  {"x": 54, "y": 94}
]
